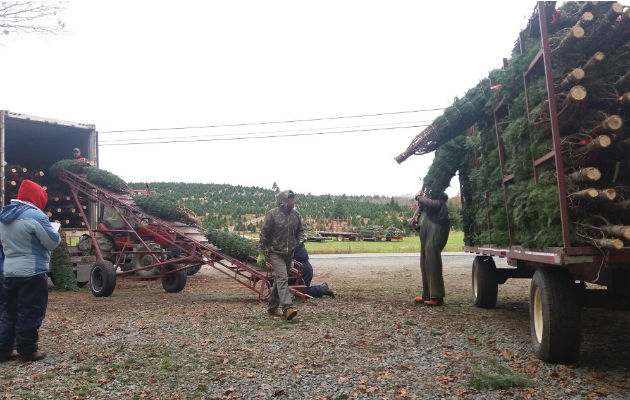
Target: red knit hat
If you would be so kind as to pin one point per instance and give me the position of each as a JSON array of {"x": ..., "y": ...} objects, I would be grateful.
[{"x": 33, "y": 193}]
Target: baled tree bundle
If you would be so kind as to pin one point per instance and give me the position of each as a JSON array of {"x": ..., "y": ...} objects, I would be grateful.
[
  {"x": 71, "y": 165},
  {"x": 456, "y": 118},
  {"x": 61, "y": 271},
  {"x": 107, "y": 180},
  {"x": 232, "y": 245}
]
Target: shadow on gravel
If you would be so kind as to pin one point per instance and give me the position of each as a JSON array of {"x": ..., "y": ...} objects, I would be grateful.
[{"x": 605, "y": 338}]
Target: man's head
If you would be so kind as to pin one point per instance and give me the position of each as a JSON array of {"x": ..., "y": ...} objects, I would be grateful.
[
  {"x": 76, "y": 152},
  {"x": 33, "y": 193},
  {"x": 286, "y": 200}
]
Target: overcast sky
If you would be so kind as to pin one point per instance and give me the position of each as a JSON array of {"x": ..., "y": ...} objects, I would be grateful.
[{"x": 154, "y": 64}]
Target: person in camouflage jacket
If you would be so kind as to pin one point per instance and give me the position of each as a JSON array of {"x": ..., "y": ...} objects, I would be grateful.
[{"x": 280, "y": 233}]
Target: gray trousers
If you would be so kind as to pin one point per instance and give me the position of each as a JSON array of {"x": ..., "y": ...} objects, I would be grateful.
[
  {"x": 280, "y": 295},
  {"x": 433, "y": 237}
]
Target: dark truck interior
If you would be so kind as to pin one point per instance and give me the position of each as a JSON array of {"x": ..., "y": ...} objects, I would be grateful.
[{"x": 37, "y": 145}]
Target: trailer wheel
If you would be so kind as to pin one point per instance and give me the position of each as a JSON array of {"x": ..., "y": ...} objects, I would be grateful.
[
  {"x": 193, "y": 271},
  {"x": 102, "y": 279},
  {"x": 554, "y": 315},
  {"x": 174, "y": 283},
  {"x": 484, "y": 282}
]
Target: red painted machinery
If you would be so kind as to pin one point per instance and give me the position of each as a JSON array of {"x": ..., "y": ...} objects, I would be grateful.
[{"x": 130, "y": 243}]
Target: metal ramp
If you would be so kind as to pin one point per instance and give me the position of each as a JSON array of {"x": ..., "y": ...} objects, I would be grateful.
[{"x": 182, "y": 246}]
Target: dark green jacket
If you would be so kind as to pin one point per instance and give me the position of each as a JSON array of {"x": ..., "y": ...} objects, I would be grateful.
[{"x": 282, "y": 229}]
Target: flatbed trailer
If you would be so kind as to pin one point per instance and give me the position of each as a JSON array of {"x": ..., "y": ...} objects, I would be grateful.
[
  {"x": 559, "y": 275},
  {"x": 340, "y": 236}
]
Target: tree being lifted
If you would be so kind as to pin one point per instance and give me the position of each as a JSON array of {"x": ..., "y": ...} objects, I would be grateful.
[{"x": 590, "y": 53}]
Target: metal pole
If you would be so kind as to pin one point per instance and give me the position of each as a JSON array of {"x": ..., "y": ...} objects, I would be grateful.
[{"x": 555, "y": 128}]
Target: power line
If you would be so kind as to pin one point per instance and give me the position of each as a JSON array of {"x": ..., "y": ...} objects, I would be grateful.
[
  {"x": 256, "y": 133},
  {"x": 270, "y": 122},
  {"x": 257, "y": 137}
]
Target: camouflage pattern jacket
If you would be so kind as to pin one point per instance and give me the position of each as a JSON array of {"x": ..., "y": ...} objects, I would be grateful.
[{"x": 282, "y": 229}]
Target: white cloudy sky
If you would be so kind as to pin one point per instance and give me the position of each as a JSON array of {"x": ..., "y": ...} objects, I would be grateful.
[{"x": 157, "y": 64}]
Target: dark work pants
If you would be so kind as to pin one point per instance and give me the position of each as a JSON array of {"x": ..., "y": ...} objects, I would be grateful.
[
  {"x": 433, "y": 237},
  {"x": 301, "y": 255},
  {"x": 22, "y": 312}
]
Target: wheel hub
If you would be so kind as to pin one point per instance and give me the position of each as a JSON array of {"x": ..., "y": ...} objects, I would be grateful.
[{"x": 538, "y": 315}]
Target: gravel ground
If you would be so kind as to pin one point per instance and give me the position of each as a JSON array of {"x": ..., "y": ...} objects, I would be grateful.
[{"x": 215, "y": 340}]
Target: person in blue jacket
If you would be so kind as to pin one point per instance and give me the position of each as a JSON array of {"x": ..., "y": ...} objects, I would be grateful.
[
  {"x": 317, "y": 291},
  {"x": 27, "y": 237}
]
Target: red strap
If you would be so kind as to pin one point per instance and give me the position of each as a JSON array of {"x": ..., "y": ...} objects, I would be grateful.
[{"x": 555, "y": 17}]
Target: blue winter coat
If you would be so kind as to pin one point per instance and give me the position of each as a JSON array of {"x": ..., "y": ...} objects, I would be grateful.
[{"x": 27, "y": 238}]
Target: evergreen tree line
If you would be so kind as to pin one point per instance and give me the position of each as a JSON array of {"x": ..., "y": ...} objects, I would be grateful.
[{"x": 241, "y": 208}]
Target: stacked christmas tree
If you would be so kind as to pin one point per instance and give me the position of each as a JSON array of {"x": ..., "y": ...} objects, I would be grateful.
[{"x": 590, "y": 51}]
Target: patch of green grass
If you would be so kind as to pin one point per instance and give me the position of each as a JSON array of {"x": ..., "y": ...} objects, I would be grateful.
[
  {"x": 407, "y": 245},
  {"x": 494, "y": 375},
  {"x": 89, "y": 368}
]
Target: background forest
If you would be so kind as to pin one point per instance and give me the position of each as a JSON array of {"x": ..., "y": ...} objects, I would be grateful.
[{"x": 242, "y": 208}]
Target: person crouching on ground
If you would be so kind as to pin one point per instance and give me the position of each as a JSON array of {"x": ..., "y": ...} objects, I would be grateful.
[
  {"x": 317, "y": 291},
  {"x": 434, "y": 230},
  {"x": 281, "y": 230},
  {"x": 27, "y": 238}
]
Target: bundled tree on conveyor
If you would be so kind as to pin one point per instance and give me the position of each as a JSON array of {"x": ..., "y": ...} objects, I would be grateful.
[
  {"x": 165, "y": 206},
  {"x": 231, "y": 244},
  {"x": 590, "y": 53}
]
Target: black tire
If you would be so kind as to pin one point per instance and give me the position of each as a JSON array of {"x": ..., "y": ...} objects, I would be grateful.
[
  {"x": 193, "y": 271},
  {"x": 554, "y": 315},
  {"x": 102, "y": 279},
  {"x": 174, "y": 283},
  {"x": 81, "y": 284},
  {"x": 484, "y": 282}
]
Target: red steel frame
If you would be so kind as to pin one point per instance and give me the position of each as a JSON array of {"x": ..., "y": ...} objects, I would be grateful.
[
  {"x": 197, "y": 252},
  {"x": 555, "y": 256}
]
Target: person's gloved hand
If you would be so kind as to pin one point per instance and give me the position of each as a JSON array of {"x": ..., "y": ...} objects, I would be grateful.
[{"x": 260, "y": 260}]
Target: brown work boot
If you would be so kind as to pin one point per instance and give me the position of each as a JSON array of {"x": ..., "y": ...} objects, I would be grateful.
[
  {"x": 36, "y": 356},
  {"x": 326, "y": 290},
  {"x": 290, "y": 313},
  {"x": 275, "y": 312},
  {"x": 8, "y": 355}
]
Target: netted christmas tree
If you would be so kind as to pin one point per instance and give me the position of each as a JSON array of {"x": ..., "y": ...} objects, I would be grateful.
[
  {"x": 232, "y": 244},
  {"x": 78, "y": 167},
  {"x": 61, "y": 270},
  {"x": 106, "y": 179},
  {"x": 159, "y": 205}
]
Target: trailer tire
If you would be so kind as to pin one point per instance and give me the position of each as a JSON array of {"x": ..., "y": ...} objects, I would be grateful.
[
  {"x": 102, "y": 279},
  {"x": 484, "y": 282},
  {"x": 554, "y": 315},
  {"x": 193, "y": 271},
  {"x": 174, "y": 283}
]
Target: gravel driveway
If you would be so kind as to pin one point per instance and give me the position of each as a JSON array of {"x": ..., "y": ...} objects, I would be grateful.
[{"x": 215, "y": 340}]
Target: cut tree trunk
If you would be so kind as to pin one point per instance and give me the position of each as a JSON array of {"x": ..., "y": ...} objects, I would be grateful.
[
  {"x": 589, "y": 193},
  {"x": 616, "y": 244},
  {"x": 595, "y": 60},
  {"x": 573, "y": 35},
  {"x": 617, "y": 230},
  {"x": 572, "y": 78},
  {"x": 607, "y": 194},
  {"x": 589, "y": 174}
]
